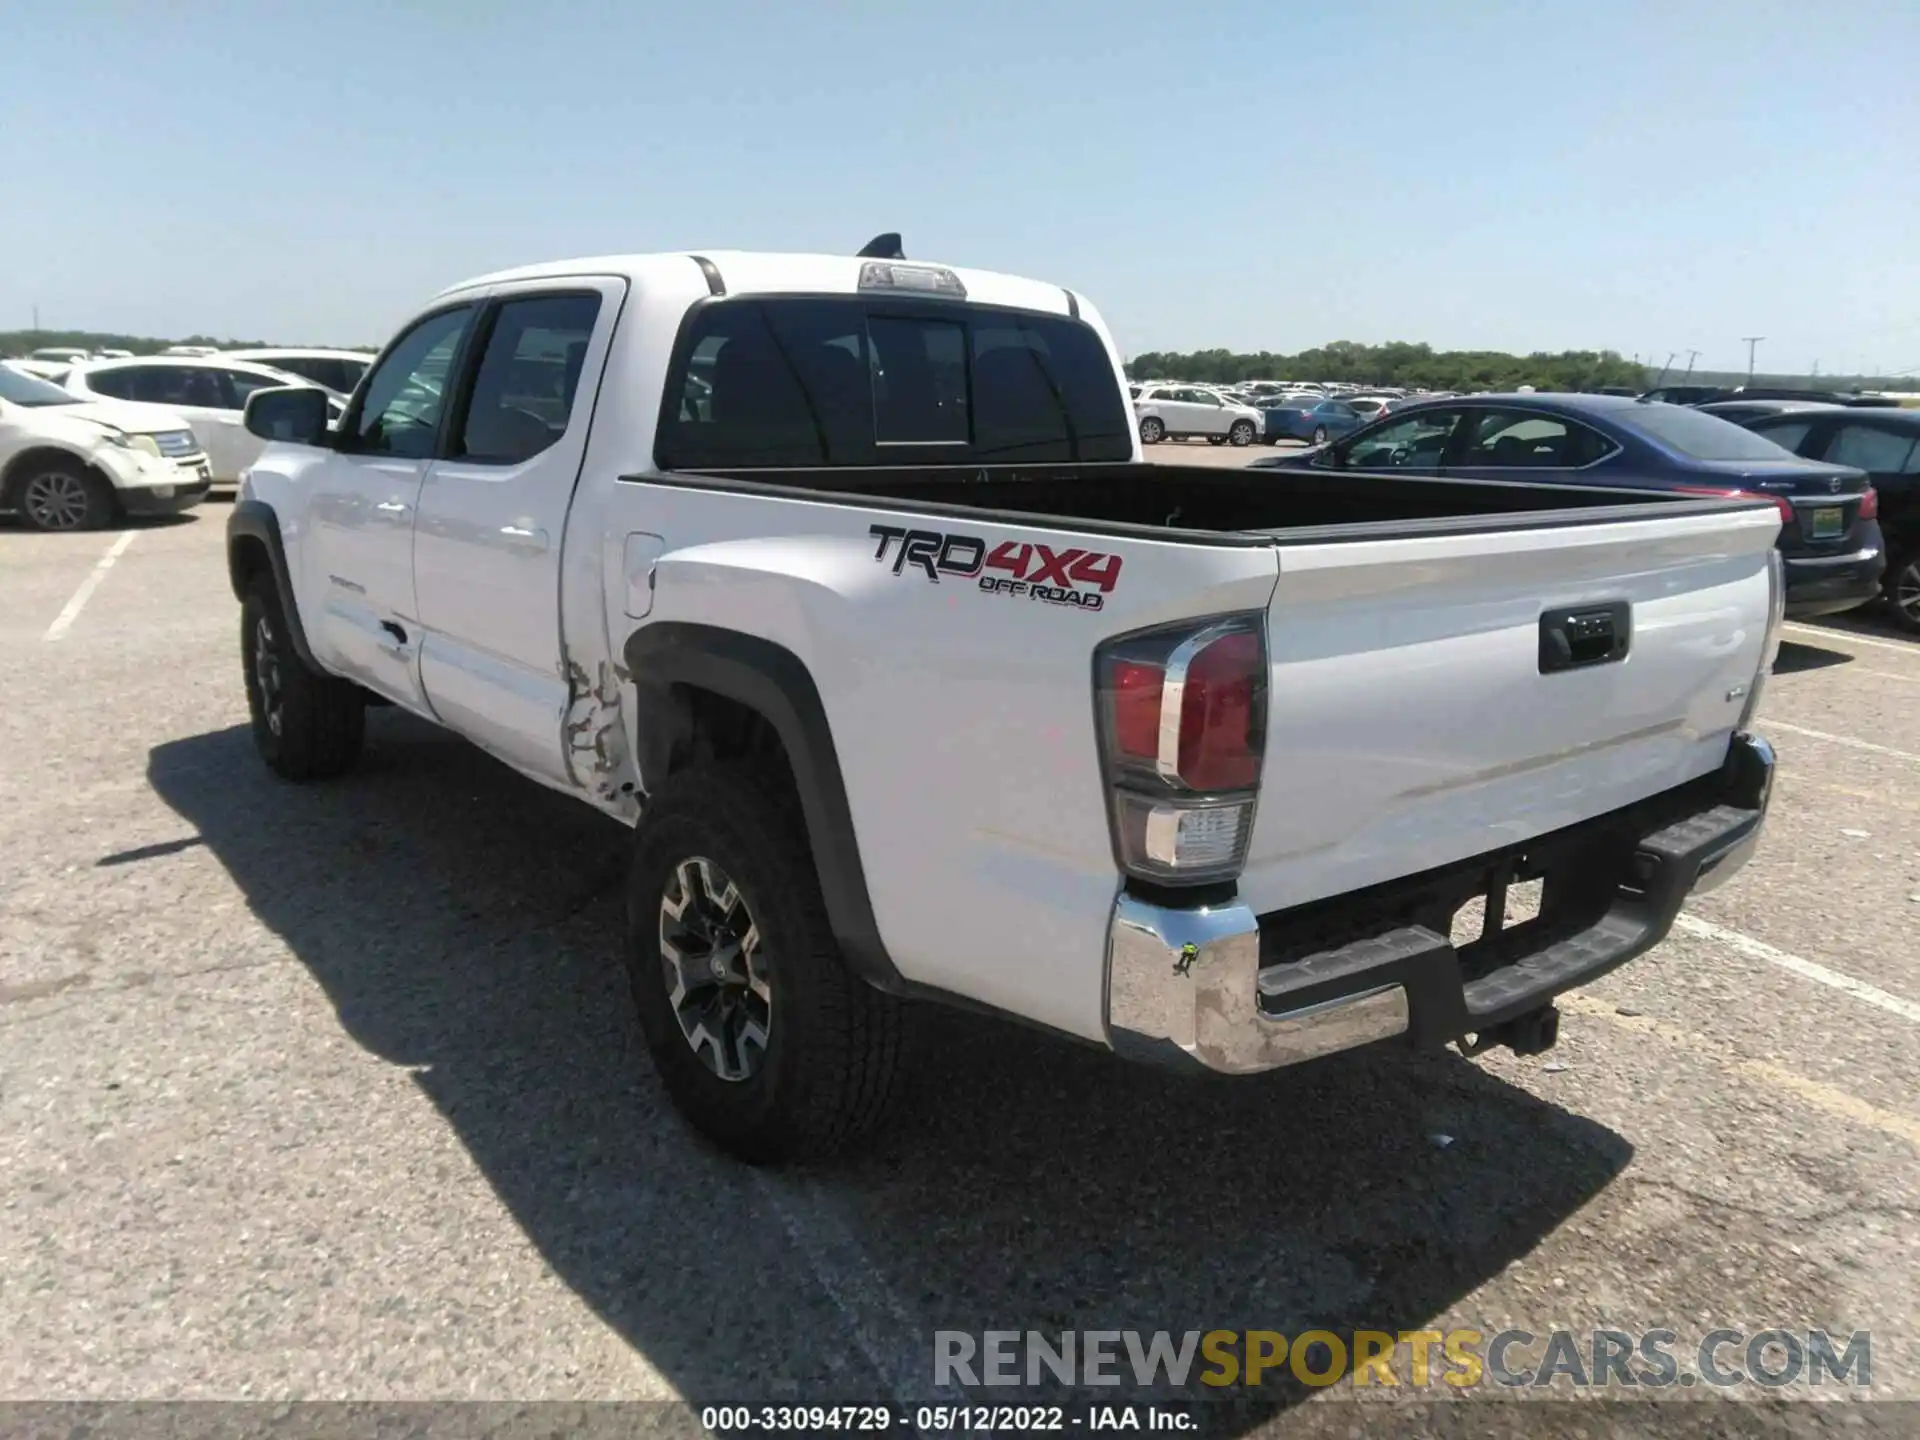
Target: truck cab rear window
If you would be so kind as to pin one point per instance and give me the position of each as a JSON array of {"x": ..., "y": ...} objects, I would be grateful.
[{"x": 791, "y": 383}]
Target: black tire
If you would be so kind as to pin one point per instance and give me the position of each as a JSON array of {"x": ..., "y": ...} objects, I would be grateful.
[
  {"x": 1241, "y": 433},
  {"x": 1319, "y": 434},
  {"x": 306, "y": 725},
  {"x": 1901, "y": 587},
  {"x": 832, "y": 1046},
  {"x": 1152, "y": 430},
  {"x": 60, "y": 494}
]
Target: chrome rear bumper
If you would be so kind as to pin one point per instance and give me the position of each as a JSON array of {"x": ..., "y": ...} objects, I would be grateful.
[{"x": 1190, "y": 987}]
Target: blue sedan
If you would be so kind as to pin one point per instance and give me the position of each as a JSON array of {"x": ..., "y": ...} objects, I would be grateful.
[
  {"x": 1317, "y": 421},
  {"x": 1829, "y": 537}
]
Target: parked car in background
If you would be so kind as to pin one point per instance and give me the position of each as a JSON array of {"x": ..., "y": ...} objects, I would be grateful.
[
  {"x": 1830, "y": 540},
  {"x": 1886, "y": 444},
  {"x": 1278, "y": 413},
  {"x": 60, "y": 354},
  {"x": 1686, "y": 394},
  {"x": 1177, "y": 412},
  {"x": 1323, "y": 421},
  {"x": 335, "y": 370},
  {"x": 1741, "y": 411},
  {"x": 210, "y": 391},
  {"x": 54, "y": 371},
  {"x": 66, "y": 464}
]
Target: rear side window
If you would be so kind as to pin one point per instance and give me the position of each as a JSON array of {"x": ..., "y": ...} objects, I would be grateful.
[
  {"x": 1523, "y": 439},
  {"x": 529, "y": 374},
  {"x": 1869, "y": 448},
  {"x": 1787, "y": 435},
  {"x": 1693, "y": 433},
  {"x": 115, "y": 384},
  {"x": 795, "y": 383}
]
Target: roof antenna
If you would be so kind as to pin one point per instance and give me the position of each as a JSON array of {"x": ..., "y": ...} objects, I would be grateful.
[{"x": 883, "y": 247}]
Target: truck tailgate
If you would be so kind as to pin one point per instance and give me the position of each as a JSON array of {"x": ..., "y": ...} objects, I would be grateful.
[{"x": 1412, "y": 722}]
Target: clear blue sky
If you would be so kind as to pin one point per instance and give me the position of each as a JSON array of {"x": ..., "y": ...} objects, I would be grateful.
[{"x": 1564, "y": 173}]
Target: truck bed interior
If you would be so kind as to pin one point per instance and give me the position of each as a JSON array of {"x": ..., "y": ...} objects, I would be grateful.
[{"x": 1204, "y": 499}]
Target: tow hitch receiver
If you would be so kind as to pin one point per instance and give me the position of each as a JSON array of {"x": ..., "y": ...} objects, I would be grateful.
[{"x": 1533, "y": 1033}]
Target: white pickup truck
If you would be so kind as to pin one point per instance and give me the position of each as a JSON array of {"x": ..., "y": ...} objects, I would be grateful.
[{"x": 841, "y": 580}]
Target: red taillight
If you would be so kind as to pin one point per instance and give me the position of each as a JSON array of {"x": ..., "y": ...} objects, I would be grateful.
[
  {"x": 1183, "y": 726},
  {"x": 1218, "y": 711},
  {"x": 1870, "y": 504},
  {"x": 1134, "y": 694}
]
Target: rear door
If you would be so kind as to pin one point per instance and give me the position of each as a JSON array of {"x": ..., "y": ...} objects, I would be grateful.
[
  {"x": 1212, "y": 412},
  {"x": 1890, "y": 454},
  {"x": 1495, "y": 444},
  {"x": 1411, "y": 721},
  {"x": 486, "y": 544}
]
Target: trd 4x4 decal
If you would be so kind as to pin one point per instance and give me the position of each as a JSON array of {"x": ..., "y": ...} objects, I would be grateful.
[{"x": 1037, "y": 572}]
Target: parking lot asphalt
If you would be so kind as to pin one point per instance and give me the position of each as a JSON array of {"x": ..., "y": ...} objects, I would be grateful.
[{"x": 333, "y": 1092}]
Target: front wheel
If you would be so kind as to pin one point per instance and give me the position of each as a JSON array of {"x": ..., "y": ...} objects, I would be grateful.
[
  {"x": 62, "y": 494},
  {"x": 306, "y": 725},
  {"x": 768, "y": 1044},
  {"x": 1152, "y": 431},
  {"x": 1319, "y": 434},
  {"x": 1902, "y": 590},
  {"x": 1242, "y": 432}
]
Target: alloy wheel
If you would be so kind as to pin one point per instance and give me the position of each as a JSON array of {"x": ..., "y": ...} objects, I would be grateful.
[
  {"x": 266, "y": 674},
  {"x": 55, "y": 500},
  {"x": 716, "y": 977},
  {"x": 1905, "y": 592}
]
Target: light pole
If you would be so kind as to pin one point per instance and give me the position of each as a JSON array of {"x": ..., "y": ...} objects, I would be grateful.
[
  {"x": 1752, "y": 340},
  {"x": 1692, "y": 355}
]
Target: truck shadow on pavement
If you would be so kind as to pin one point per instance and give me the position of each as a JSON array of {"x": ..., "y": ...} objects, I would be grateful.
[{"x": 466, "y": 923}]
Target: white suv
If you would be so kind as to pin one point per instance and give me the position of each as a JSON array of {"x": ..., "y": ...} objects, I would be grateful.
[
  {"x": 335, "y": 370},
  {"x": 1174, "y": 412},
  {"x": 209, "y": 391},
  {"x": 69, "y": 465}
]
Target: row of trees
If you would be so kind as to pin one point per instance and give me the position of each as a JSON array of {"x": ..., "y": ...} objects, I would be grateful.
[{"x": 1398, "y": 364}]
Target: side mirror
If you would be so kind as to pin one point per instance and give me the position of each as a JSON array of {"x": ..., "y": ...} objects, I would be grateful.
[{"x": 296, "y": 413}]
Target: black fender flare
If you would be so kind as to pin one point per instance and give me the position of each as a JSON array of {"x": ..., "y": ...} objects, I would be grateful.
[
  {"x": 768, "y": 678},
  {"x": 255, "y": 520}
]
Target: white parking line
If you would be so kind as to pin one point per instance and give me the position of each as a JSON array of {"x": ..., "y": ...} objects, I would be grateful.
[
  {"x": 1846, "y": 740},
  {"x": 64, "y": 620},
  {"x": 888, "y": 1333},
  {"x": 1834, "y": 1101},
  {"x": 1806, "y": 969},
  {"x": 1814, "y": 632}
]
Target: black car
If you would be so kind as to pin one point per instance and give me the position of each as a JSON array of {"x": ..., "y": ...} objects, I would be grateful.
[
  {"x": 1885, "y": 444},
  {"x": 1741, "y": 411},
  {"x": 1829, "y": 539}
]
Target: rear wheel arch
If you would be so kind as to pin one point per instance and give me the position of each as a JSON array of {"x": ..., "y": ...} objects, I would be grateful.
[{"x": 707, "y": 693}]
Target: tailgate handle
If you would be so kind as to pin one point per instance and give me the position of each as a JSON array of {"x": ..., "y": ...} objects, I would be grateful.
[{"x": 1588, "y": 635}]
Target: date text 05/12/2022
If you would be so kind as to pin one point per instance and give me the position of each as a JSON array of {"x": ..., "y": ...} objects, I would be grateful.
[{"x": 1035, "y": 571}]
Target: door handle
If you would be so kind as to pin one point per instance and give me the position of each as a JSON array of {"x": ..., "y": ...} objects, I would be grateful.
[
  {"x": 1589, "y": 635},
  {"x": 393, "y": 507},
  {"x": 536, "y": 538}
]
